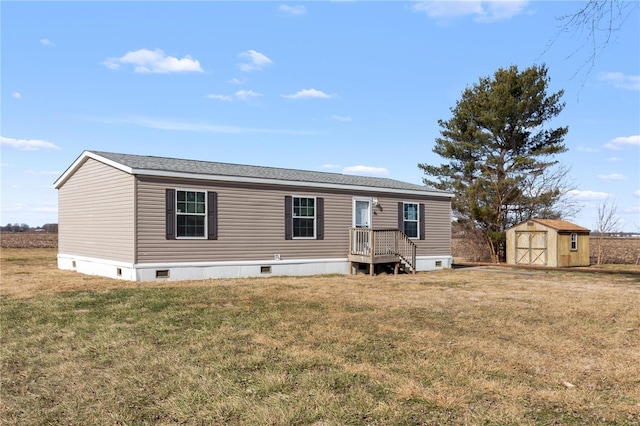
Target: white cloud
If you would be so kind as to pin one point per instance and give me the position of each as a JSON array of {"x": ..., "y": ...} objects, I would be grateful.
[
  {"x": 225, "y": 98},
  {"x": 637, "y": 193},
  {"x": 631, "y": 210},
  {"x": 256, "y": 61},
  {"x": 246, "y": 94},
  {"x": 621, "y": 80},
  {"x": 16, "y": 95},
  {"x": 27, "y": 144},
  {"x": 43, "y": 172},
  {"x": 482, "y": 11},
  {"x": 622, "y": 141},
  {"x": 331, "y": 166},
  {"x": 236, "y": 81},
  {"x": 187, "y": 126},
  {"x": 612, "y": 176},
  {"x": 365, "y": 170},
  {"x": 588, "y": 195},
  {"x": 293, "y": 10},
  {"x": 46, "y": 42},
  {"x": 44, "y": 209},
  {"x": 242, "y": 95},
  {"x": 154, "y": 61},
  {"x": 587, "y": 149},
  {"x": 308, "y": 94},
  {"x": 344, "y": 119},
  {"x": 613, "y": 159}
]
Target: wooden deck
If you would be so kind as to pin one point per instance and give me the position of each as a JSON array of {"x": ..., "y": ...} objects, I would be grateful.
[{"x": 381, "y": 246}]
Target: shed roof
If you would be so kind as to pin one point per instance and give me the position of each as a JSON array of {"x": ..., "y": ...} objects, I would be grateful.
[
  {"x": 561, "y": 225},
  {"x": 198, "y": 169}
]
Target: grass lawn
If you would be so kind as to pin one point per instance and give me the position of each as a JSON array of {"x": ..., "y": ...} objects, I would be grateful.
[{"x": 449, "y": 347}]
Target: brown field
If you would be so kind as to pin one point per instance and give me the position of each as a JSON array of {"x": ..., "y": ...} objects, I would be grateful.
[
  {"x": 28, "y": 240},
  {"x": 468, "y": 346},
  {"x": 616, "y": 250}
]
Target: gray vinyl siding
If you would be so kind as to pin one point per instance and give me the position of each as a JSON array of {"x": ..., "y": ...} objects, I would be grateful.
[
  {"x": 438, "y": 227},
  {"x": 96, "y": 213},
  {"x": 437, "y": 240},
  {"x": 251, "y": 223}
]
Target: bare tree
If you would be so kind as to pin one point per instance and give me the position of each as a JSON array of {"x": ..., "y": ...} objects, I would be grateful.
[
  {"x": 547, "y": 195},
  {"x": 50, "y": 228},
  {"x": 607, "y": 222},
  {"x": 597, "y": 23}
]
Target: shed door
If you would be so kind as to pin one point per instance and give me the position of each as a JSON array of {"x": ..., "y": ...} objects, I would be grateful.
[{"x": 531, "y": 248}]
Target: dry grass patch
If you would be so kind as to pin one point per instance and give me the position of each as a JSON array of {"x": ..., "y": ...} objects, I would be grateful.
[{"x": 449, "y": 347}]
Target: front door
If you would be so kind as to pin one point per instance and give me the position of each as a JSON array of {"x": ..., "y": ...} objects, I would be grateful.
[
  {"x": 362, "y": 220},
  {"x": 361, "y": 213}
]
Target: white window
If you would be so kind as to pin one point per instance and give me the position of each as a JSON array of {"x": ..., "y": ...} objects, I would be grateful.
[
  {"x": 191, "y": 214},
  {"x": 574, "y": 242},
  {"x": 410, "y": 220},
  {"x": 304, "y": 217}
]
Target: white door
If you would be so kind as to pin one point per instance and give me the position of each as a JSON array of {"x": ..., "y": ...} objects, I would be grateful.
[
  {"x": 361, "y": 213},
  {"x": 362, "y": 220}
]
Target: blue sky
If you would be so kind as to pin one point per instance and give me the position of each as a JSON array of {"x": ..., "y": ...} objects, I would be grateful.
[{"x": 345, "y": 86}]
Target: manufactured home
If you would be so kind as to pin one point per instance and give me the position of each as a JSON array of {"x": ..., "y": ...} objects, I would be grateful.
[
  {"x": 548, "y": 242},
  {"x": 145, "y": 218}
]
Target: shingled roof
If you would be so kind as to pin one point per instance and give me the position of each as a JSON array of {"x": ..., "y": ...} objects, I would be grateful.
[
  {"x": 144, "y": 165},
  {"x": 561, "y": 225}
]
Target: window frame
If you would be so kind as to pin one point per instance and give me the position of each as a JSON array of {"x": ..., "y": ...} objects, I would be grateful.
[
  {"x": 204, "y": 215},
  {"x": 573, "y": 241},
  {"x": 417, "y": 219},
  {"x": 294, "y": 217}
]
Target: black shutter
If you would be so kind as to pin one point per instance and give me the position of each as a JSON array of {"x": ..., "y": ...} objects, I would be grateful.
[
  {"x": 401, "y": 216},
  {"x": 288, "y": 217},
  {"x": 319, "y": 218},
  {"x": 422, "y": 222},
  {"x": 212, "y": 215},
  {"x": 170, "y": 207}
]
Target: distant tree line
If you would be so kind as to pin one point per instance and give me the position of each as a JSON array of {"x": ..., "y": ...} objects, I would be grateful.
[{"x": 51, "y": 228}]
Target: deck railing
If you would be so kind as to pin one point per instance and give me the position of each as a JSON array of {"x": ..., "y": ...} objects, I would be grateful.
[{"x": 382, "y": 245}]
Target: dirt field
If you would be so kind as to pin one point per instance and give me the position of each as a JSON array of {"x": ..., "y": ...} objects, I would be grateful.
[
  {"x": 621, "y": 251},
  {"x": 616, "y": 250},
  {"x": 28, "y": 240}
]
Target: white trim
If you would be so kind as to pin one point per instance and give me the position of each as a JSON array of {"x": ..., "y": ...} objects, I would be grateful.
[
  {"x": 204, "y": 215},
  {"x": 230, "y": 269},
  {"x": 417, "y": 221},
  {"x": 94, "y": 266},
  {"x": 315, "y": 217},
  {"x": 353, "y": 214},
  {"x": 235, "y": 263},
  {"x": 83, "y": 159},
  {"x": 222, "y": 178},
  {"x": 573, "y": 241},
  {"x": 429, "y": 263},
  {"x": 95, "y": 259}
]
